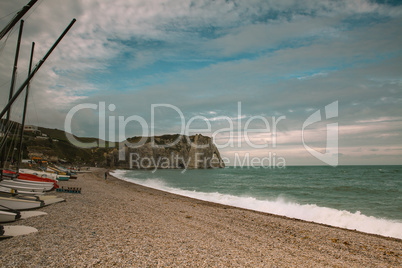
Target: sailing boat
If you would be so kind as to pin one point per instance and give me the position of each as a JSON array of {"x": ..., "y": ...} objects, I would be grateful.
[{"x": 20, "y": 191}]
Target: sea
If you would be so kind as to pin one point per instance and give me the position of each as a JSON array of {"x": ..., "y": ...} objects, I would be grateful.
[{"x": 363, "y": 198}]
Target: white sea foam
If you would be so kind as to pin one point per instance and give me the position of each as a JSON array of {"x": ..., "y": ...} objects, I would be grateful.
[{"x": 280, "y": 206}]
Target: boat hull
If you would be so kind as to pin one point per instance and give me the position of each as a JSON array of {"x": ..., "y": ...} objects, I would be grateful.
[
  {"x": 42, "y": 174},
  {"x": 63, "y": 178},
  {"x": 10, "y": 231},
  {"x": 36, "y": 187},
  {"x": 23, "y": 189},
  {"x": 20, "y": 204},
  {"x": 7, "y": 216}
]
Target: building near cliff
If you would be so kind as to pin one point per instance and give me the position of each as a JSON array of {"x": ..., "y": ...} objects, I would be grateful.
[{"x": 166, "y": 152}]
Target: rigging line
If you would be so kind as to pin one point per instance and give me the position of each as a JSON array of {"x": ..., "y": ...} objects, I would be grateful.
[
  {"x": 9, "y": 152},
  {"x": 8, "y": 127},
  {"x": 14, "y": 144},
  {"x": 30, "y": 12},
  {"x": 4, "y": 141},
  {"x": 3, "y": 45},
  {"x": 32, "y": 100},
  {"x": 13, "y": 125},
  {"x": 16, "y": 18},
  {"x": 11, "y": 149},
  {"x": 14, "y": 12},
  {"x": 13, "y": 29},
  {"x": 36, "y": 69}
]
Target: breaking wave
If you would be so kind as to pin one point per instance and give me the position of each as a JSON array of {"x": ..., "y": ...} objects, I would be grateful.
[{"x": 283, "y": 207}]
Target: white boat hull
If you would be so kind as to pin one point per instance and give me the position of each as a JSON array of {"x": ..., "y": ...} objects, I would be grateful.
[
  {"x": 53, "y": 201},
  {"x": 10, "y": 231},
  {"x": 6, "y": 191},
  {"x": 19, "y": 204},
  {"x": 29, "y": 214},
  {"x": 41, "y": 183},
  {"x": 6, "y": 216},
  {"x": 25, "y": 186},
  {"x": 49, "y": 199},
  {"x": 29, "y": 183},
  {"x": 23, "y": 189}
]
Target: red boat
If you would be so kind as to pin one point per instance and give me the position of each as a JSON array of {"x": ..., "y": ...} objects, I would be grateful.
[{"x": 31, "y": 177}]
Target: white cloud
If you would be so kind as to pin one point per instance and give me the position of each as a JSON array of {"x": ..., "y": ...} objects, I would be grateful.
[{"x": 294, "y": 56}]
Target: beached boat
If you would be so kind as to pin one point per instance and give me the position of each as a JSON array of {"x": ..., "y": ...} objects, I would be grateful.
[
  {"x": 11, "y": 231},
  {"x": 24, "y": 189},
  {"x": 46, "y": 199},
  {"x": 54, "y": 200},
  {"x": 29, "y": 214},
  {"x": 28, "y": 183},
  {"x": 56, "y": 170},
  {"x": 6, "y": 216},
  {"x": 41, "y": 174},
  {"x": 39, "y": 183},
  {"x": 63, "y": 178},
  {"x": 30, "y": 178},
  {"x": 7, "y": 191},
  {"x": 66, "y": 170},
  {"x": 10, "y": 215},
  {"x": 45, "y": 184},
  {"x": 22, "y": 186},
  {"x": 10, "y": 192},
  {"x": 20, "y": 204}
]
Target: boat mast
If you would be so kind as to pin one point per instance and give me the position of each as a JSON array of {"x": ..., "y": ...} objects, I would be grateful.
[
  {"x": 15, "y": 67},
  {"x": 17, "y": 17},
  {"x": 37, "y": 67},
  {"x": 19, "y": 156},
  {"x": 17, "y": 52},
  {"x": 31, "y": 75}
]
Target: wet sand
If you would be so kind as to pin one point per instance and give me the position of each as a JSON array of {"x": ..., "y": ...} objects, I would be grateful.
[{"x": 116, "y": 223}]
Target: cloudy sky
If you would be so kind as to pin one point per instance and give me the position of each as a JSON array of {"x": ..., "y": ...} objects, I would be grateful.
[{"x": 234, "y": 70}]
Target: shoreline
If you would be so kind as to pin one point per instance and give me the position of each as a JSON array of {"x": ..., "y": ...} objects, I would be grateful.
[
  {"x": 260, "y": 211},
  {"x": 115, "y": 222}
]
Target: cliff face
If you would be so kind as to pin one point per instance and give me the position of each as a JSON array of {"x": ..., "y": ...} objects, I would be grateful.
[{"x": 167, "y": 151}]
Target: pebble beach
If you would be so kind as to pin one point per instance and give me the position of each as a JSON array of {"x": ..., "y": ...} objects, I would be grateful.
[{"x": 117, "y": 223}]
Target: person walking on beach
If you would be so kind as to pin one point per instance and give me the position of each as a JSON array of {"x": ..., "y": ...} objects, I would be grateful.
[{"x": 105, "y": 175}]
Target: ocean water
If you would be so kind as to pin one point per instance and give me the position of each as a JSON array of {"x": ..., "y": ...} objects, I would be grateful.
[{"x": 364, "y": 198}]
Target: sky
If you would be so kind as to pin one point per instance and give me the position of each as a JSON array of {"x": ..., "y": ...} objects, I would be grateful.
[{"x": 272, "y": 81}]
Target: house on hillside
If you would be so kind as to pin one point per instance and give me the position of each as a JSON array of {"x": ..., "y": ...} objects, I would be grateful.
[{"x": 32, "y": 129}]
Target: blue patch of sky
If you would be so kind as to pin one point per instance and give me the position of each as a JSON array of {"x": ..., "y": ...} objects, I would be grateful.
[
  {"x": 388, "y": 2},
  {"x": 122, "y": 77},
  {"x": 288, "y": 15},
  {"x": 186, "y": 57},
  {"x": 364, "y": 20},
  {"x": 140, "y": 43},
  {"x": 207, "y": 32}
]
